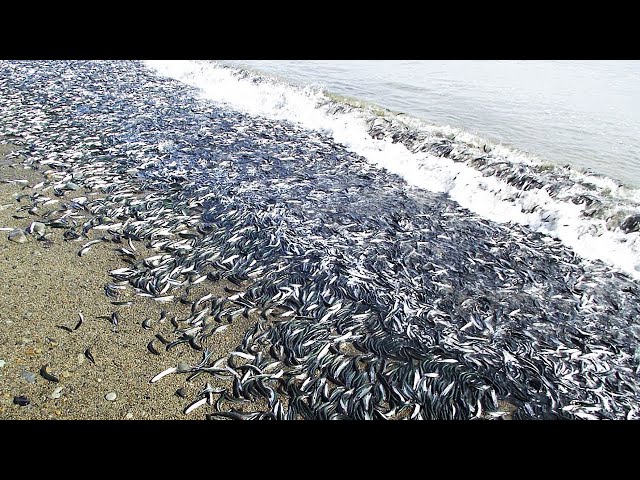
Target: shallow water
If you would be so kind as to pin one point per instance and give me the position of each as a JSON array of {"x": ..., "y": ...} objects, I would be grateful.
[{"x": 584, "y": 113}]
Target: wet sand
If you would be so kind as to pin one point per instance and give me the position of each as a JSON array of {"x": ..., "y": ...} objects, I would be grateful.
[{"x": 46, "y": 284}]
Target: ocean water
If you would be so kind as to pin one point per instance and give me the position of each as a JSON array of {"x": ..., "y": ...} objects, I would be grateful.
[
  {"x": 387, "y": 112},
  {"x": 584, "y": 113}
]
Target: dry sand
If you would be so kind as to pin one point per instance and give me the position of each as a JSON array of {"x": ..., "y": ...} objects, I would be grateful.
[{"x": 46, "y": 284}]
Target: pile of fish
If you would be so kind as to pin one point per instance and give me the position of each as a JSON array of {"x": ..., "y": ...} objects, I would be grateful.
[{"x": 371, "y": 300}]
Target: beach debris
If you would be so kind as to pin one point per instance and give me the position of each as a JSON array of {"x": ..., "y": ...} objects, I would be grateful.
[
  {"x": 30, "y": 377},
  {"x": 2, "y": 363},
  {"x": 21, "y": 400},
  {"x": 17, "y": 236},
  {"x": 57, "y": 393},
  {"x": 183, "y": 367},
  {"x": 111, "y": 396},
  {"x": 37, "y": 228}
]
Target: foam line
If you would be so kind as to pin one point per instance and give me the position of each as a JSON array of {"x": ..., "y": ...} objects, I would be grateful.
[{"x": 506, "y": 186}]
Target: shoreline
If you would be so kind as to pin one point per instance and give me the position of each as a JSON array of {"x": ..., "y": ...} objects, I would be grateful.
[
  {"x": 342, "y": 291},
  {"x": 46, "y": 286}
]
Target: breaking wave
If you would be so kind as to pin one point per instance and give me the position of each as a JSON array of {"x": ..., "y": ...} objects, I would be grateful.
[{"x": 596, "y": 216}]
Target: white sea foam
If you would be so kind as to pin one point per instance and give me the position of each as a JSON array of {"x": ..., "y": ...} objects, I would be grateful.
[{"x": 488, "y": 196}]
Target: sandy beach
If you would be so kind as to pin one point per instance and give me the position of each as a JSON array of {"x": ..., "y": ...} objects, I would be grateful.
[
  {"x": 46, "y": 286},
  {"x": 188, "y": 240}
]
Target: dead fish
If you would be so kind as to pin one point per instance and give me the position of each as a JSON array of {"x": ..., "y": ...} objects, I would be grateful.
[
  {"x": 87, "y": 246},
  {"x": 170, "y": 345},
  {"x": 168, "y": 298},
  {"x": 195, "y": 345},
  {"x": 152, "y": 348},
  {"x": 195, "y": 405},
  {"x": 79, "y": 321},
  {"x": 113, "y": 226},
  {"x": 70, "y": 235},
  {"x": 163, "y": 374},
  {"x": 87, "y": 353},
  {"x": 183, "y": 367},
  {"x": 126, "y": 253},
  {"x": 44, "y": 371}
]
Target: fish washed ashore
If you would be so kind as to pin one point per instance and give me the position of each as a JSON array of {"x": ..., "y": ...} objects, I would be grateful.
[
  {"x": 46, "y": 287},
  {"x": 249, "y": 268}
]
